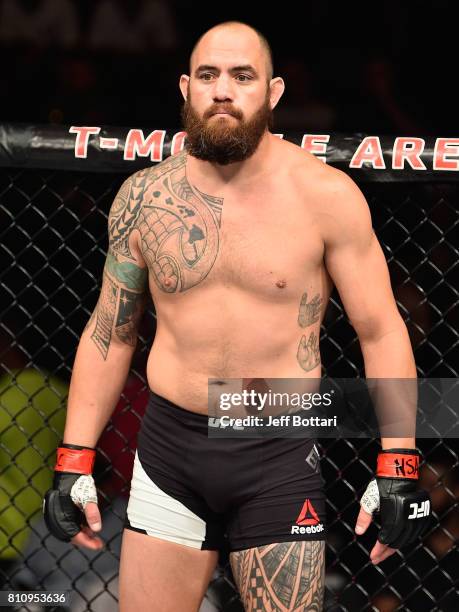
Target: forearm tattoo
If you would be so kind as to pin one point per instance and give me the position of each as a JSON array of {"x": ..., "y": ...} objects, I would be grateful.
[
  {"x": 179, "y": 232},
  {"x": 282, "y": 577}
]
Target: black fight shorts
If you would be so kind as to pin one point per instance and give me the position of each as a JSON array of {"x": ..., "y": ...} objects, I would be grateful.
[{"x": 210, "y": 493}]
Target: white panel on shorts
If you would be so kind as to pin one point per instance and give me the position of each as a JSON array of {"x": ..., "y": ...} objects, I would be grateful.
[{"x": 161, "y": 515}]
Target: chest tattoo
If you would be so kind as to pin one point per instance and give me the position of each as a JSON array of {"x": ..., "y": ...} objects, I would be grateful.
[{"x": 179, "y": 227}]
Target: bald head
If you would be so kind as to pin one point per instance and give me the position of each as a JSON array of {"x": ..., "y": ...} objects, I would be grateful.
[{"x": 239, "y": 37}]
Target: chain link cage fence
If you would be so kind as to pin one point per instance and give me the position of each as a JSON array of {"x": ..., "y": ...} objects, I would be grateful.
[{"x": 53, "y": 244}]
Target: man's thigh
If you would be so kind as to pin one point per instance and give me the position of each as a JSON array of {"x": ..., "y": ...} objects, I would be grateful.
[
  {"x": 287, "y": 576},
  {"x": 158, "y": 575}
]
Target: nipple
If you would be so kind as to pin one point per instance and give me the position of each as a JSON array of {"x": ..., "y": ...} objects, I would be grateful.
[
  {"x": 281, "y": 284},
  {"x": 167, "y": 282}
]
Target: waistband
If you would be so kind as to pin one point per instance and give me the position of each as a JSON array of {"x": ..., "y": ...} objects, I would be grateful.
[
  {"x": 187, "y": 416},
  {"x": 162, "y": 412},
  {"x": 163, "y": 418}
]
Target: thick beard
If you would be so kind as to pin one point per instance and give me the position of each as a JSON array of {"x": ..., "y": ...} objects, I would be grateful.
[{"x": 217, "y": 140}]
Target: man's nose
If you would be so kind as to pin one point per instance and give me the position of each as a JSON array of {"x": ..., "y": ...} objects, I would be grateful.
[{"x": 223, "y": 89}]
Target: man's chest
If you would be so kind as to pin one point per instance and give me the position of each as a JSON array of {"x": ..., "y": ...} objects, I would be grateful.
[
  {"x": 268, "y": 243},
  {"x": 262, "y": 241}
]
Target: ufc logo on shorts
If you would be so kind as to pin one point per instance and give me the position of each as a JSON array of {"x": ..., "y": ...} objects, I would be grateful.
[{"x": 420, "y": 510}]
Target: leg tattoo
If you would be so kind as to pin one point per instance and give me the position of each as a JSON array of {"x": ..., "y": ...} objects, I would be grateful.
[{"x": 284, "y": 577}]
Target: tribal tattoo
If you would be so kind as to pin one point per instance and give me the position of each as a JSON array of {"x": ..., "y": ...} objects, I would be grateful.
[
  {"x": 282, "y": 577},
  {"x": 105, "y": 309},
  {"x": 309, "y": 312},
  {"x": 119, "y": 309},
  {"x": 179, "y": 226},
  {"x": 179, "y": 233}
]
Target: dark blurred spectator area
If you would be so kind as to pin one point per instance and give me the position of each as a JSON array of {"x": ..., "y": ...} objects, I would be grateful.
[{"x": 348, "y": 66}]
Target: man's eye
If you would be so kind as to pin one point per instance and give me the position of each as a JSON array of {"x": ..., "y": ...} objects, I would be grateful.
[
  {"x": 245, "y": 77},
  {"x": 206, "y": 76}
]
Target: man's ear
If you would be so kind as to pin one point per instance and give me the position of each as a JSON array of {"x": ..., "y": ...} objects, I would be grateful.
[
  {"x": 277, "y": 88},
  {"x": 183, "y": 84}
]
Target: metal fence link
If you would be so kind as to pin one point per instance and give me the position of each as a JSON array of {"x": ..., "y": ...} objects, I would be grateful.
[{"x": 53, "y": 242}]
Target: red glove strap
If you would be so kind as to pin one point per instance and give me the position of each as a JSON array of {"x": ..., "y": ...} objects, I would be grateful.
[
  {"x": 75, "y": 461},
  {"x": 398, "y": 465}
]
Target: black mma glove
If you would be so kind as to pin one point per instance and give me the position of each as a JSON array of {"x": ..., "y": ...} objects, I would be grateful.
[
  {"x": 404, "y": 509},
  {"x": 73, "y": 488}
]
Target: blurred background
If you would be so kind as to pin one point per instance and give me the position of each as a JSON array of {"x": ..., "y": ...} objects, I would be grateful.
[{"x": 383, "y": 67}]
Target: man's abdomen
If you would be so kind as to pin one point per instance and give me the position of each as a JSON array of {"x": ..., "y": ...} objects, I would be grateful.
[{"x": 182, "y": 376}]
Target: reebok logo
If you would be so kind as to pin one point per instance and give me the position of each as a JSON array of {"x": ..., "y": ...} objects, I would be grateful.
[
  {"x": 310, "y": 529},
  {"x": 307, "y": 521},
  {"x": 307, "y": 516}
]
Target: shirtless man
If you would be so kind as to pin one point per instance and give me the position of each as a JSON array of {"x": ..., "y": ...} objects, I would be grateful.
[{"x": 239, "y": 239}]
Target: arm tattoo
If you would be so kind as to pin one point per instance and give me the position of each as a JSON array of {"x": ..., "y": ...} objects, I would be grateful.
[
  {"x": 127, "y": 206},
  {"x": 179, "y": 232},
  {"x": 127, "y": 273},
  {"x": 121, "y": 300},
  {"x": 105, "y": 313},
  {"x": 282, "y": 577},
  {"x": 308, "y": 354},
  {"x": 119, "y": 310},
  {"x": 309, "y": 312},
  {"x": 128, "y": 316}
]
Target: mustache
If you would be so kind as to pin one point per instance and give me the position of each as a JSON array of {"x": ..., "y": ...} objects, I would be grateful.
[{"x": 222, "y": 108}]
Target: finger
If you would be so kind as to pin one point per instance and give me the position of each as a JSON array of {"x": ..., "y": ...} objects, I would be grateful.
[
  {"x": 383, "y": 556},
  {"x": 363, "y": 521},
  {"x": 87, "y": 536},
  {"x": 88, "y": 531},
  {"x": 92, "y": 515},
  {"x": 380, "y": 552},
  {"x": 86, "y": 540},
  {"x": 377, "y": 550}
]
